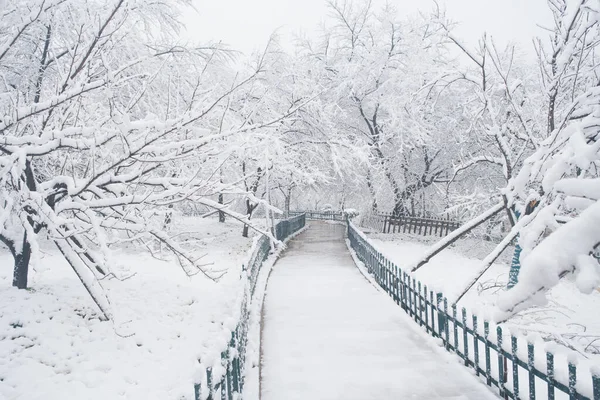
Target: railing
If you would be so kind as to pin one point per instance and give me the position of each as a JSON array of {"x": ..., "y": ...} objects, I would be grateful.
[
  {"x": 387, "y": 223},
  {"x": 517, "y": 368},
  {"x": 321, "y": 215},
  {"x": 227, "y": 382}
]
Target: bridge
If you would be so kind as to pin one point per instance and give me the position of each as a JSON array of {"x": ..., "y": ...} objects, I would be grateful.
[
  {"x": 329, "y": 333},
  {"x": 339, "y": 321}
]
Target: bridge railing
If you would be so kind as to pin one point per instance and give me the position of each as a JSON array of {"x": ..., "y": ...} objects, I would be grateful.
[
  {"x": 226, "y": 382},
  {"x": 321, "y": 215},
  {"x": 509, "y": 363}
]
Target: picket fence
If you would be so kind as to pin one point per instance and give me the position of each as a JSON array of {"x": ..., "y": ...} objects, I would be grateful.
[
  {"x": 515, "y": 367},
  {"x": 419, "y": 225}
]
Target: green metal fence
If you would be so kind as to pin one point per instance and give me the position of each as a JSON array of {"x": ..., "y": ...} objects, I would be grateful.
[
  {"x": 227, "y": 383},
  {"x": 321, "y": 215},
  {"x": 515, "y": 367}
]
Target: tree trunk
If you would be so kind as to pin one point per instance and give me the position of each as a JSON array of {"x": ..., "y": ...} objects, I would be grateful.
[
  {"x": 288, "y": 200},
  {"x": 221, "y": 213},
  {"x": 21, "y": 269},
  {"x": 249, "y": 210},
  {"x": 400, "y": 200},
  {"x": 374, "y": 206}
]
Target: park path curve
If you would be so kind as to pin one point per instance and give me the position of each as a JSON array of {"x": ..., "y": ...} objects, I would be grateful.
[{"x": 329, "y": 334}]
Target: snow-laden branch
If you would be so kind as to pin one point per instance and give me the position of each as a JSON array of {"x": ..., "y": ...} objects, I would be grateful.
[
  {"x": 566, "y": 250},
  {"x": 455, "y": 235}
]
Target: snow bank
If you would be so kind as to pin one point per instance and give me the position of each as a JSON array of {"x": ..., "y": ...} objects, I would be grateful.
[{"x": 53, "y": 345}]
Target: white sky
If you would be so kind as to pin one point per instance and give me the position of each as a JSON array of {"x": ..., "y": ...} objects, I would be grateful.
[{"x": 247, "y": 24}]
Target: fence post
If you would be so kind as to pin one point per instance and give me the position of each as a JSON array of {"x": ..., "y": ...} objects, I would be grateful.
[
  {"x": 402, "y": 293},
  {"x": 426, "y": 310},
  {"x": 465, "y": 336},
  {"x": 446, "y": 324},
  {"x": 550, "y": 374},
  {"x": 488, "y": 361},
  {"x": 441, "y": 316},
  {"x": 475, "y": 345},
  {"x": 531, "y": 366},
  {"x": 197, "y": 389},
  {"x": 455, "y": 330},
  {"x": 515, "y": 367},
  {"x": 596, "y": 383},
  {"x": 235, "y": 363},
  {"x": 433, "y": 303},
  {"x": 572, "y": 381},
  {"x": 209, "y": 384},
  {"x": 501, "y": 371}
]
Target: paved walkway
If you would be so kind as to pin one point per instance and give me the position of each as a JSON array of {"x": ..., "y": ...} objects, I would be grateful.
[{"x": 328, "y": 334}]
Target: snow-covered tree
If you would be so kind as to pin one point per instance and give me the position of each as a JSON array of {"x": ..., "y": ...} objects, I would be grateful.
[
  {"x": 377, "y": 65},
  {"x": 496, "y": 99},
  {"x": 561, "y": 236},
  {"x": 105, "y": 120}
]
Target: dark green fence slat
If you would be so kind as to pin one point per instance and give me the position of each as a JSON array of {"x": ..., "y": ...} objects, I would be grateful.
[
  {"x": 234, "y": 363},
  {"x": 550, "y": 374},
  {"x": 433, "y": 308},
  {"x": 425, "y": 292},
  {"x": 197, "y": 390},
  {"x": 465, "y": 337},
  {"x": 572, "y": 381},
  {"x": 488, "y": 361},
  {"x": 455, "y": 331},
  {"x": 415, "y": 297},
  {"x": 222, "y": 389},
  {"x": 441, "y": 315},
  {"x": 596, "y": 383},
  {"x": 501, "y": 379},
  {"x": 515, "y": 367},
  {"x": 446, "y": 324},
  {"x": 408, "y": 294},
  {"x": 397, "y": 285},
  {"x": 420, "y": 304},
  {"x": 531, "y": 368},
  {"x": 209, "y": 384},
  {"x": 475, "y": 345},
  {"x": 401, "y": 289}
]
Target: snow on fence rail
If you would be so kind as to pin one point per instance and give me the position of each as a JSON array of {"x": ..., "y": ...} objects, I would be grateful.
[
  {"x": 225, "y": 379},
  {"x": 516, "y": 367},
  {"x": 388, "y": 223}
]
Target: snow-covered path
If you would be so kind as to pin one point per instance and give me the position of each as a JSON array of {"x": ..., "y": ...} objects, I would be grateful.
[{"x": 329, "y": 334}]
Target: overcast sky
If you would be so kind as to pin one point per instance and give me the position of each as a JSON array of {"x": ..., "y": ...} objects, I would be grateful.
[{"x": 247, "y": 24}]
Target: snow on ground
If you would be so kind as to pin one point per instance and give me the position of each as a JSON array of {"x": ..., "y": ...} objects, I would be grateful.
[
  {"x": 329, "y": 334},
  {"x": 570, "y": 317},
  {"x": 53, "y": 347}
]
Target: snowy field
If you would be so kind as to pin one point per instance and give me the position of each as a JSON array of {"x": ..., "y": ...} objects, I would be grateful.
[
  {"x": 53, "y": 346},
  {"x": 570, "y": 317}
]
